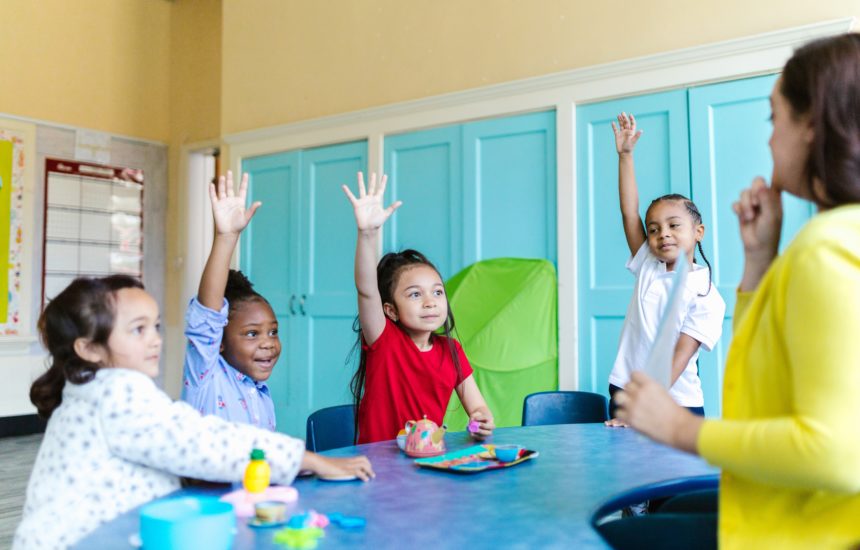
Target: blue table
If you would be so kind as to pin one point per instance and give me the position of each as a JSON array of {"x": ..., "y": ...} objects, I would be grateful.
[{"x": 545, "y": 502}]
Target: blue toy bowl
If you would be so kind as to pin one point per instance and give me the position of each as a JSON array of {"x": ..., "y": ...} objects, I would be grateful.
[
  {"x": 507, "y": 453},
  {"x": 187, "y": 523}
]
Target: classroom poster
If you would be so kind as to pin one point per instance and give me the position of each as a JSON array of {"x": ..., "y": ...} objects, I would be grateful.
[
  {"x": 6, "y": 150},
  {"x": 16, "y": 158}
]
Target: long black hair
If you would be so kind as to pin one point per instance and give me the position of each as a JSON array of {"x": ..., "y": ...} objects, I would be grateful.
[
  {"x": 694, "y": 213},
  {"x": 388, "y": 272},
  {"x": 84, "y": 309}
]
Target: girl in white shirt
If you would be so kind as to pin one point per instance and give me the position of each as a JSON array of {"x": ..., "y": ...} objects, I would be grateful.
[
  {"x": 114, "y": 440},
  {"x": 673, "y": 229}
]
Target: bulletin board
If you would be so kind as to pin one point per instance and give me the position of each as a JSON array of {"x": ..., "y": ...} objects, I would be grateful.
[
  {"x": 17, "y": 154},
  {"x": 93, "y": 223}
]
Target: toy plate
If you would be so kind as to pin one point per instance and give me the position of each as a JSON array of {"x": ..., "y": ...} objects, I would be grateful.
[
  {"x": 337, "y": 478},
  {"x": 473, "y": 459},
  {"x": 418, "y": 454},
  {"x": 256, "y": 523}
]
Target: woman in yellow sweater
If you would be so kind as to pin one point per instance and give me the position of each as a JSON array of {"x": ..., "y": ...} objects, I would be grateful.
[{"x": 789, "y": 441}]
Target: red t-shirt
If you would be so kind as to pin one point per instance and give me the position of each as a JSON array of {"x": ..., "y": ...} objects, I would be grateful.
[{"x": 404, "y": 383}]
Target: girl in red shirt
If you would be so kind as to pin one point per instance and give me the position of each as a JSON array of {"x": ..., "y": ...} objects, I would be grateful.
[{"x": 406, "y": 370}]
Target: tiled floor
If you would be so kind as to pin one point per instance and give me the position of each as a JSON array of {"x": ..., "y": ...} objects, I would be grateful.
[{"x": 17, "y": 455}]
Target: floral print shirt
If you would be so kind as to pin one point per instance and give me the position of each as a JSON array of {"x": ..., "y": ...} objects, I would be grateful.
[{"x": 210, "y": 384}]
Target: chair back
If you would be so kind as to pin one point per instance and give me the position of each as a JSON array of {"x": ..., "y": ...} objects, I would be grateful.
[
  {"x": 689, "y": 523},
  {"x": 331, "y": 428},
  {"x": 564, "y": 407}
]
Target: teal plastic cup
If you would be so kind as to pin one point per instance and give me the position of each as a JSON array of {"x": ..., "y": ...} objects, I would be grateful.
[{"x": 188, "y": 523}]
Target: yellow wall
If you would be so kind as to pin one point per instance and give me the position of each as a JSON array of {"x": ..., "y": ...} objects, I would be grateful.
[
  {"x": 100, "y": 64},
  {"x": 195, "y": 116},
  {"x": 288, "y": 60},
  {"x": 195, "y": 70}
]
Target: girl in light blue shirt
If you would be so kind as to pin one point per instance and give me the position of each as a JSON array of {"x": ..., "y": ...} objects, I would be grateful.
[{"x": 232, "y": 331}]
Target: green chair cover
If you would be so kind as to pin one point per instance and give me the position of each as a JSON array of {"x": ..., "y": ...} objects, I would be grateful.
[{"x": 507, "y": 321}]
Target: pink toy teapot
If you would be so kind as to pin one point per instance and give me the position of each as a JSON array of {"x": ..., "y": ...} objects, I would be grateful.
[{"x": 424, "y": 438}]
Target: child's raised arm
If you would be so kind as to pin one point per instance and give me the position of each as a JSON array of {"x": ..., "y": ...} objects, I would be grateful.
[
  {"x": 626, "y": 137},
  {"x": 231, "y": 217},
  {"x": 369, "y": 218}
]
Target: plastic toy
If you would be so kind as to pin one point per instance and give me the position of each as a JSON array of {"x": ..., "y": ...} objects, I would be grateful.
[
  {"x": 424, "y": 438},
  {"x": 257, "y": 473}
]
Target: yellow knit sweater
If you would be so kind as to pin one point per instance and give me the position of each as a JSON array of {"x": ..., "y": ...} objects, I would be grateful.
[{"x": 789, "y": 440}]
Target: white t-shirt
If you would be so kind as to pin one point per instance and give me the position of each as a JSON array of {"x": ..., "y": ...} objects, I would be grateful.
[
  {"x": 701, "y": 318},
  {"x": 118, "y": 441}
]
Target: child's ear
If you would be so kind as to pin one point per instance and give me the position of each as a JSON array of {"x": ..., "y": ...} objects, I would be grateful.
[
  {"x": 88, "y": 351},
  {"x": 700, "y": 232},
  {"x": 390, "y": 311}
]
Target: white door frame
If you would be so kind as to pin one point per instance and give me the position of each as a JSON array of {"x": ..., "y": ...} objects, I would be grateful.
[{"x": 728, "y": 60}]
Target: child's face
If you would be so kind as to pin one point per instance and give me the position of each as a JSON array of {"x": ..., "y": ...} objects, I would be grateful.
[
  {"x": 251, "y": 344},
  {"x": 135, "y": 341},
  {"x": 671, "y": 231},
  {"x": 420, "y": 303}
]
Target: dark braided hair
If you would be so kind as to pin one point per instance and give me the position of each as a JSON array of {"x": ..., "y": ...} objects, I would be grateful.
[
  {"x": 388, "y": 272},
  {"x": 239, "y": 289},
  {"x": 693, "y": 210},
  {"x": 84, "y": 309}
]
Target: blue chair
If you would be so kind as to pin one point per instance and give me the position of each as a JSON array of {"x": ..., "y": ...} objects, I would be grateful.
[
  {"x": 704, "y": 501},
  {"x": 673, "y": 526},
  {"x": 331, "y": 428},
  {"x": 564, "y": 407}
]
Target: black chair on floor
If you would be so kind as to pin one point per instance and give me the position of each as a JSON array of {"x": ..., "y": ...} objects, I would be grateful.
[
  {"x": 687, "y": 518},
  {"x": 564, "y": 407},
  {"x": 331, "y": 428}
]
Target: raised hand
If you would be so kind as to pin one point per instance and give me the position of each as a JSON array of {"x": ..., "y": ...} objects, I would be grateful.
[
  {"x": 759, "y": 211},
  {"x": 626, "y": 134},
  {"x": 369, "y": 213},
  {"x": 228, "y": 208}
]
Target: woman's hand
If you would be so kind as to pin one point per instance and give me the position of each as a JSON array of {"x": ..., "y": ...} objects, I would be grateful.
[
  {"x": 228, "y": 208},
  {"x": 324, "y": 466},
  {"x": 648, "y": 408},
  {"x": 626, "y": 134},
  {"x": 759, "y": 211},
  {"x": 486, "y": 425},
  {"x": 369, "y": 213}
]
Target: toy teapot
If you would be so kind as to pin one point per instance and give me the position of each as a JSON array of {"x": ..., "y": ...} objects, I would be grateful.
[{"x": 424, "y": 438}]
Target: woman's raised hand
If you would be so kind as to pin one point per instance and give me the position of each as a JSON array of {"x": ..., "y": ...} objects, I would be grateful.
[
  {"x": 369, "y": 213},
  {"x": 228, "y": 208},
  {"x": 626, "y": 134},
  {"x": 759, "y": 211}
]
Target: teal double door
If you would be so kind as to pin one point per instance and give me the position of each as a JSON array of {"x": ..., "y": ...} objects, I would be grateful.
[
  {"x": 475, "y": 191},
  {"x": 470, "y": 191},
  {"x": 707, "y": 143},
  {"x": 298, "y": 251}
]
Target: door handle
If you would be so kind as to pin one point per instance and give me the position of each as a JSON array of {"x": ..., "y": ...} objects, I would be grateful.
[
  {"x": 293, "y": 304},
  {"x": 302, "y": 304}
]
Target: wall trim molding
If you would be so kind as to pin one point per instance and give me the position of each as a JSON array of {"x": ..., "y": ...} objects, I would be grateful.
[
  {"x": 743, "y": 57},
  {"x": 767, "y": 42}
]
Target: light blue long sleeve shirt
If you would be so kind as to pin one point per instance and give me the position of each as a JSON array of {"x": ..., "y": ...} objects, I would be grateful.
[{"x": 213, "y": 386}]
